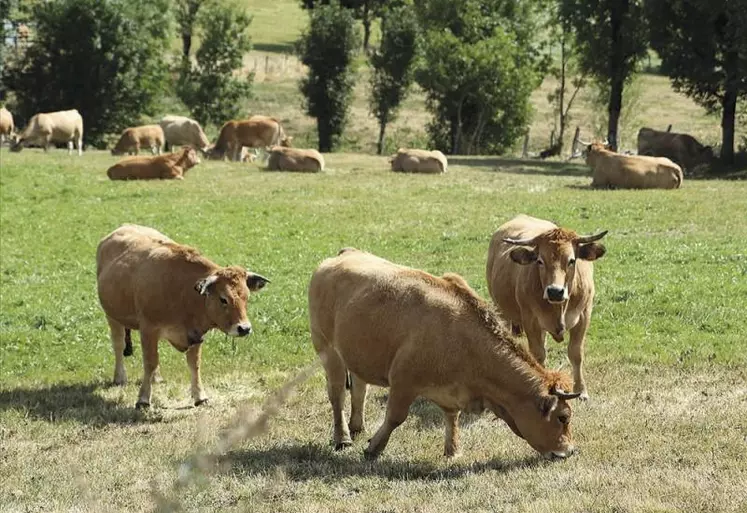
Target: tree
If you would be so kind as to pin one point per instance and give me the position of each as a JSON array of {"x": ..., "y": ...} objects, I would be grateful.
[
  {"x": 209, "y": 87},
  {"x": 392, "y": 67},
  {"x": 479, "y": 67},
  {"x": 365, "y": 10},
  {"x": 102, "y": 57},
  {"x": 612, "y": 37},
  {"x": 186, "y": 18},
  {"x": 328, "y": 48},
  {"x": 703, "y": 47}
]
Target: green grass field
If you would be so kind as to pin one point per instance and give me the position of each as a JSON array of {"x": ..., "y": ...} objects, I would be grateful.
[{"x": 664, "y": 430}]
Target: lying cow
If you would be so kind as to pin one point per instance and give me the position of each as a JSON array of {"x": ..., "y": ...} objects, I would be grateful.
[
  {"x": 682, "y": 149},
  {"x": 148, "y": 282},
  {"x": 610, "y": 169},
  {"x": 259, "y": 132},
  {"x": 134, "y": 138},
  {"x": 164, "y": 167},
  {"x": 419, "y": 161},
  {"x": 46, "y": 128},
  {"x": 294, "y": 159},
  {"x": 182, "y": 131},
  {"x": 541, "y": 278},
  {"x": 6, "y": 125},
  {"x": 420, "y": 335}
]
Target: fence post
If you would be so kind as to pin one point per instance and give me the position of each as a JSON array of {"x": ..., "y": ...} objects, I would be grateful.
[
  {"x": 575, "y": 141},
  {"x": 524, "y": 152},
  {"x": 669, "y": 128}
]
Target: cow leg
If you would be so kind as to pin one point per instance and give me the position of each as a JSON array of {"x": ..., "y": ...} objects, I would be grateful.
[
  {"x": 358, "y": 390},
  {"x": 149, "y": 345},
  {"x": 336, "y": 372},
  {"x": 117, "y": 334},
  {"x": 80, "y": 145},
  {"x": 451, "y": 436},
  {"x": 194, "y": 354},
  {"x": 576, "y": 354},
  {"x": 70, "y": 147},
  {"x": 397, "y": 409},
  {"x": 536, "y": 339}
]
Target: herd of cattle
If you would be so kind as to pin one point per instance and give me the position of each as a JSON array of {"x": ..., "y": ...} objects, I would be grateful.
[
  {"x": 662, "y": 161},
  {"x": 539, "y": 276}
]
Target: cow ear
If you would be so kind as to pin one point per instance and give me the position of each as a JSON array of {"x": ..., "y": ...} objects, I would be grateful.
[
  {"x": 255, "y": 281},
  {"x": 591, "y": 251},
  {"x": 523, "y": 256},
  {"x": 203, "y": 286},
  {"x": 547, "y": 405}
]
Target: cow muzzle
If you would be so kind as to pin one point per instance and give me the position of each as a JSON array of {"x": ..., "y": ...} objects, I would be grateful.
[
  {"x": 240, "y": 330},
  {"x": 555, "y": 294},
  {"x": 560, "y": 455}
]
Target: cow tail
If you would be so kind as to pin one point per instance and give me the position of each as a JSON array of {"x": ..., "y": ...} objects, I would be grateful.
[{"x": 128, "y": 342}]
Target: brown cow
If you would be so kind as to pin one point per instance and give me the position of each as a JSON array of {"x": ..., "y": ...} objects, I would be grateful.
[
  {"x": 6, "y": 125},
  {"x": 165, "y": 167},
  {"x": 610, "y": 169},
  {"x": 150, "y": 283},
  {"x": 420, "y": 335},
  {"x": 546, "y": 284},
  {"x": 419, "y": 161},
  {"x": 146, "y": 136},
  {"x": 261, "y": 132},
  {"x": 682, "y": 149},
  {"x": 294, "y": 159}
]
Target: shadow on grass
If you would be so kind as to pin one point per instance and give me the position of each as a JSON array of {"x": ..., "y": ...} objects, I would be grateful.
[
  {"x": 273, "y": 47},
  {"x": 77, "y": 402},
  {"x": 310, "y": 461},
  {"x": 523, "y": 166},
  {"x": 428, "y": 415}
]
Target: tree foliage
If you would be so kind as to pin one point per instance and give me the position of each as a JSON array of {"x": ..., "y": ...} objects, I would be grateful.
[
  {"x": 102, "y": 57},
  {"x": 479, "y": 67},
  {"x": 211, "y": 88},
  {"x": 186, "y": 18},
  {"x": 364, "y": 10},
  {"x": 612, "y": 37},
  {"x": 392, "y": 66},
  {"x": 328, "y": 49},
  {"x": 703, "y": 47}
]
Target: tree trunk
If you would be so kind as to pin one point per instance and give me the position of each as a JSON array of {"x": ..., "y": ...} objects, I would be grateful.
[
  {"x": 617, "y": 72},
  {"x": 729, "y": 105},
  {"x": 186, "y": 45},
  {"x": 563, "y": 63},
  {"x": 614, "y": 108},
  {"x": 325, "y": 141},
  {"x": 366, "y": 25},
  {"x": 380, "y": 144}
]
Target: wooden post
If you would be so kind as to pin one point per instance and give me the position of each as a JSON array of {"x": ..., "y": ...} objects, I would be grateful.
[
  {"x": 669, "y": 128},
  {"x": 552, "y": 138},
  {"x": 267, "y": 64},
  {"x": 575, "y": 141},
  {"x": 525, "y": 151}
]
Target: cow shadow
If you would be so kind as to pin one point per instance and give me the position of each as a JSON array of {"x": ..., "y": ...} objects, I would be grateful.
[
  {"x": 522, "y": 166},
  {"x": 428, "y": 415},
  {"x": 80, "y": 402},
  {"x": 300, "y": 463}
]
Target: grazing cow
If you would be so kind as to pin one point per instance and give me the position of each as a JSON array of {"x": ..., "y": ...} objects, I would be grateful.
[
  {"x": 148, "y": 282},
  {"x": 294, "y": 159},
  {"x": 182, "y": 131},
  {"x": 419, "y": 161},
  {"x": 65, "y": 126},
  {"x": 165, "y": 167},
  {"x": 541, "y": 278},
  {"x": 146, "y": 136},
  {"x": 420, "y": 335},
  {"x": 682, "y": 149},
  {"x": 6, "y": 125},
  {"x": 610, "y": 169},
  {"x": 259, "y": 132}
]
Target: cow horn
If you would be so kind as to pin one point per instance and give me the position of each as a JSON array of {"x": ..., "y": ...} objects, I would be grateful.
[
  {"x": 584, "y": 143},
  {"x": 520, "y": 242},
  {"x": 591, "y": 238},
  {"x": 562, "y": 394}
]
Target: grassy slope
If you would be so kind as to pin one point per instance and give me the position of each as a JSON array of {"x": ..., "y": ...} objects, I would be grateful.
[{"x": 665, "y": 359}]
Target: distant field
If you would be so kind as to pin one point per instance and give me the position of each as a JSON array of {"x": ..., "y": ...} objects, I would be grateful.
[{"x": 664, "y": 430}]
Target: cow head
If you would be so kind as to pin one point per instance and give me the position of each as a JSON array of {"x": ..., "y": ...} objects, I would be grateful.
[
  {"x": 226, "y": 292},
  {"x": 555, "y": 253},
  {"x": 16, "y": 143},
  {"x": 188, "y": 159},
  {"x": 545, "y": 423},
  {"x": 287, "y": 141}
]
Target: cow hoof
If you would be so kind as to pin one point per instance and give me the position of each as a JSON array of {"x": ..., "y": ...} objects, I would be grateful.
[
  {"x": 370, "y": 455},
  {"x": 140, "y": 405},
  {"x": 343, "y": 444},
  {"x": 120, "y": 382},
  {"x": 584, "y": 396},
  {"x": 201, "y": 402}
]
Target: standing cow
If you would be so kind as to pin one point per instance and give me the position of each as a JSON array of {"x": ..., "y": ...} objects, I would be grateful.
[
  {"x": 259, "y": 132},
  {"x": 134, "y": 138},
  {"x": 183, "y": 131},
  {"x": 148, "y": 282},
  {"x": 541, "y": 277},
  {"x": 45, "y": 128},
  {"x": 421, "y": 335},
  {"x": 6, "y": 125}
]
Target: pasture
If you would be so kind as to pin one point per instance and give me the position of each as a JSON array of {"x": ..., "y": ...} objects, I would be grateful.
[{"x": 665, "y": 429}]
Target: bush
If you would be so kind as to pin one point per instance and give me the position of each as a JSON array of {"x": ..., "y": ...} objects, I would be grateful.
[{"x": 102, "y": 57}]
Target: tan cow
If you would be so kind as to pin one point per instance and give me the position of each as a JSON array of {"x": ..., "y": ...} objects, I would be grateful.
[
  {"x": 165, "y": 167},
  {"x": 6, "y": 125},
  {"x": 541, "y": 278},
  {"x": 294, "y": 159},
  {"x": 420, "y": 335},
  {"x": 261, "y": 132},
  {"x": 610, "y": 169},
  {"x": 45, "y": 128},
  {"x": 148, "y": 282},
  {"x": 183, "y": 131},
  {"x": 146, "y": 136},
  {"x": 419, "y": 161},
  {"x": 682, "y": 149}
]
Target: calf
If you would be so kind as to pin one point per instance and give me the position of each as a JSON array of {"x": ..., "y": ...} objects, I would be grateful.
[{"x": 146, "y": 136}]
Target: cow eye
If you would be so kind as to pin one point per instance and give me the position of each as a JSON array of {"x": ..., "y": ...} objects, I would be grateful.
[
  {"x": 572, "y": 261},
  {"x": 563, "y": 419},
  {"x": 540, "y": 262},
  {"x": 223, "y": 300}
]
